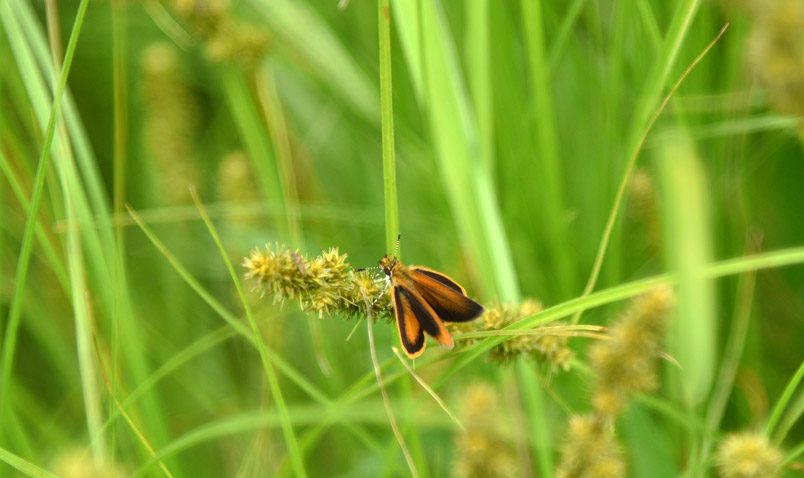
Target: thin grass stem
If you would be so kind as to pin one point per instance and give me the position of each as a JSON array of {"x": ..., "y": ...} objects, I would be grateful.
[
  {"x": 287, "y": 426},
  {"x": 387, "y": 122},
  {"x": 618, "y": 199}
]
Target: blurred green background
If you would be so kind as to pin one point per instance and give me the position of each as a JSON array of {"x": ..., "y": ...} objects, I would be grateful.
[{"x": 515, "y": 127}]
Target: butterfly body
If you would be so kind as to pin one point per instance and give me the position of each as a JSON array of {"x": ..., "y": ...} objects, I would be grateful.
[{"x": 423, "y": 300}]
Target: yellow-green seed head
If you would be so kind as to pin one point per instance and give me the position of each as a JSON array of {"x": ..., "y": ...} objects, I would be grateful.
[
  {"x": 549, "y": 349},
  {"x": 171, "y": 123},
  {"x": 78, "y": 463},
  {"x": 590, "y": 450},
  {"x": 324, "y": 285},
  {"x": 482, "y": 450},
  {"x": 626, "y": 363},
  {"x": 747, "y": 455}
]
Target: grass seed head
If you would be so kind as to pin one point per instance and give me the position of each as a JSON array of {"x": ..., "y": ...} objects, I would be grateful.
[
  {"x": 482, "y": 450},
  {"x": 590, "y": 450},
  {"x": 627, "y": 363},
  {"x": 747, "y": 455},
  {"x": 325, "y": 285}
]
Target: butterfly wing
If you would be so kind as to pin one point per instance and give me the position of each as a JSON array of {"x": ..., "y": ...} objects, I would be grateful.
[
  {"x": 438, "y": 276},
  {"x": 410, "y": 331},
  {"x": 414, "y": 316},
  {"x": 445, "y": 296}
]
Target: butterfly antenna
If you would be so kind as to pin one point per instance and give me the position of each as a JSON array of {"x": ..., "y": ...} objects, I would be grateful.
[{"x": 396, "y": 248}]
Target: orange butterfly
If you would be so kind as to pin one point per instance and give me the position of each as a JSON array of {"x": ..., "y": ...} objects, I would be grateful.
[{"x": 423, "y": 300}]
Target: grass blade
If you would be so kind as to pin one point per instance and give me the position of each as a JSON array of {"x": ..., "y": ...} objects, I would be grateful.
[
  {"x": 387, "y": 120},
  {"x": 15, "y": 309},
  {"x": 24, "y": 466},
  {"x": 273, "y": 382},
  {"x": 692, "y": 334},
  {"x": 781, "y": 404},
  {"x": 547, "y": 151}
]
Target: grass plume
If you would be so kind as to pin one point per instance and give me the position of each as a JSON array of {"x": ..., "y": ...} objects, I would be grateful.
[
  {"x": 482, "y": 450},
  {"x": 325, "y": 285},
  {"x": 747, "y": 455}
]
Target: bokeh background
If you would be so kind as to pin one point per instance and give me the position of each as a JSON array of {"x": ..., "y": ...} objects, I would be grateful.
[{"x": 515, "y": 125}]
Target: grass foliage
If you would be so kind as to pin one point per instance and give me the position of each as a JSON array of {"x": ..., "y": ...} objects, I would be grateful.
[{"x": 559, "y": 159}]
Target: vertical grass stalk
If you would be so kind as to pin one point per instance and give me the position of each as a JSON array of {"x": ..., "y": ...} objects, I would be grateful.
[
  {"x": 84, "y": 332},
  {"x": 391, "y": 205},
  {"x": 387, "y": 121},
  {"x": 454, "y": 134},
  {"x": 549, "y": 158},
  {"x": 693, "y": 330},
  {"x": 478, "y": 66},
  {"x": 119, "y": 79},
  {"x": 23, "y": 262},
  {"x": 120, "y": 100}
]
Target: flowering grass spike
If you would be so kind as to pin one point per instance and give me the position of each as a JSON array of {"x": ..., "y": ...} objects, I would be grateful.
[{"x": 325, "y": 285}]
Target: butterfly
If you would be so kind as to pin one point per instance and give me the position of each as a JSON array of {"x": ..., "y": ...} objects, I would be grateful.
[{"x": 423, "y": 300}]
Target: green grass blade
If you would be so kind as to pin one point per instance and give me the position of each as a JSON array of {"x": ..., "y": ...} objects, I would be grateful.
[
  {"x": 24, "y": 466},
  {"x": 557, "y": 49},
  {"x": 294, "y": 375},
  {"x": 392, "y": 242},
  {"x": 790, "y": 419},
  {"x": 256, "y": 142},
  {"x": 768, "y": 260},
  {"x": 692, "y": 335},
  {"x": 273, "y": 382},
  {"x": 793, "y": 454},
  {"x": 44, "y": 241},
  {"x": 387, "y": 120},
  {"x": 15, "y": 309},
  {"x": 120, "y": 93},
  {"x": 647, "y": 106},
  {"x": 170, "y": 366},
  {"x": 453, "y": 130},
  {"x": 369, "y": 413},
  {"x": 79, "y": 140},
  {"x": 84, "y": 333},
  {"x": 303, "y": 31},
  {"x": 83, "y": 189},
  {"x": 478, "y": 66},
  {"x": 280, "y": 136},
  {"x": 731, "y": 360},
  {"x": 406, "y": 14},
  {"x": 547, "y": 150},
  {"x": 781, "y": 404}
]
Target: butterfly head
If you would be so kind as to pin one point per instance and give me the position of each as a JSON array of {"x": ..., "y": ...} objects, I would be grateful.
[{"x": 388, "y": 264}]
